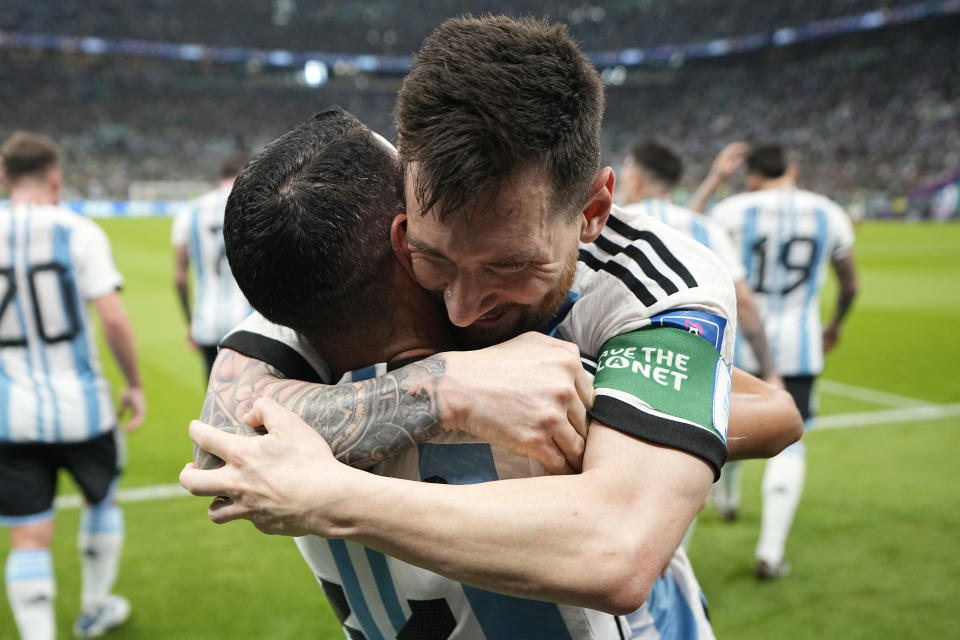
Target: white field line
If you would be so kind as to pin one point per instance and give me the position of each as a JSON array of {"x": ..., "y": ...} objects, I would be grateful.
[
  {"x": 869, "y": 395},
  {"x": 839, "y": 421},
  {"x": 869, "y": 418},
  {"x": 134, "y": 494}
]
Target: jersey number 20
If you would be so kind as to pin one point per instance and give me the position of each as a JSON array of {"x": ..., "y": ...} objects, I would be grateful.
[{"x": 67, "y": 295}]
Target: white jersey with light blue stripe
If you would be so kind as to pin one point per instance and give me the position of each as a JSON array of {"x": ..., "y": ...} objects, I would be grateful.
[
  {"x": 381, "y": 597},
  {"x": 218, "y": 303},
  {"x": 377, "y": 596},
  {"x": 52, "y": 262},
  {"x": 786, "y": 238},
  {"x": 693, "y": 224},
  {"x": 638, "y": 274}
]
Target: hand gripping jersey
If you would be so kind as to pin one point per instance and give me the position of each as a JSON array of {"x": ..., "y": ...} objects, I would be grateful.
[
  {"x": 52, "y": 262},
  {"x": 700, "y": 228},
  {"x": 785, "y": 238},
  {"x": 218, "y": 303},
  {"x": 675, "y": 361}
]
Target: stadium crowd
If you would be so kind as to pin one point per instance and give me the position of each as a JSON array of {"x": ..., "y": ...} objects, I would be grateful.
[
  {"x": 380, "y": 27},
  {"x": 876, "y": 120}
]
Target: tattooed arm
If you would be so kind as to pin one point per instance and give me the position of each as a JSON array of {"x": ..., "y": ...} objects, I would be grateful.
[
  {"x": 489, "y": 393},
  {"x": 363, "y": 422}
]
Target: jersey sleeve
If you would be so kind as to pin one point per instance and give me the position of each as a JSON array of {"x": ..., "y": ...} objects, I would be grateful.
[
  {"x": 658, "y": 313},
  {"x": 278, "y": 346},
  {"x": 842, "y": 234},
  {"x": 180, "y": 231},
  {"x": 97, "y": 275},
  {"x": 667, "y": 386}
]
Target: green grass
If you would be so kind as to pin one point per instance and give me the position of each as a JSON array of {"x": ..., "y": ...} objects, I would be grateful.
[{"x": 872, "y": 546}]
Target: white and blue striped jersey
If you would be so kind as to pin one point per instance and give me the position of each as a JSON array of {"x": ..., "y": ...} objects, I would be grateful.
[
  {"x": 631, "y": 278},
  {"x": 52, "y": 263},
  {"x": 786, "y": 237},
  {"x": 218, "y": 303},
  {"x": 693, "y": 224}
]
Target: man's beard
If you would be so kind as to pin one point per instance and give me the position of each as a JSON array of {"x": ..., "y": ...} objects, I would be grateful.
[{"x": 530, "y": 318}]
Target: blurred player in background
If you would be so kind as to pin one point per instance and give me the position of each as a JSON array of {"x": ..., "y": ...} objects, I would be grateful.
[
  {"x": 786, "y": 237},
  {"x": 647, "y": 178},
  {"x": 55, "y": 406},
  {"x": 197, "y": 238}
]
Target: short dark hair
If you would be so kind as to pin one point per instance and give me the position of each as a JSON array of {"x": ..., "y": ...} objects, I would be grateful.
[
  {"x": 658, "y": 160},
  {"x": 491, "y": 96},
  {"x": 307, "y": 225},
  {"x": 28, "y": 154},
  {"x": 767, "y": 160},
  {"x": 232, "y": 165}
]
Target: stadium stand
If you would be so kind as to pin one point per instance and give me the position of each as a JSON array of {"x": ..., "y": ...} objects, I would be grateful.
[
  {"x": 872, "y": 116},
  {"x": 381, "y": 27}
]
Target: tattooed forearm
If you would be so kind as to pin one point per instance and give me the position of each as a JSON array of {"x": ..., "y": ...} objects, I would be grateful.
[
  {"x": 364, "y": 422},
  {"x": 374, "y": 420},
  {"x": 230, "y": 394}
]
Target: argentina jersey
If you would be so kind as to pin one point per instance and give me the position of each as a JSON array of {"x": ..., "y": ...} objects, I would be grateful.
[
  {"x": 785, "y": 238},
  {"x": 376, "y": 596},
  {"x": 692, "y": 224},
  {"x": 218, "y": 303},
  {"x": 52, "y": 263}
]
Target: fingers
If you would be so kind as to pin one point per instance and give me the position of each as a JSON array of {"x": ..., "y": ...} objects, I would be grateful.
[
  {"x": 223, "y": 510},
  {"x": 139, "y": 413},
  {"x": 269, "y": 413},
  {"x": 554, "y": 461},
  {"x": 584, "y": 384},
  {"x": 571, "y": 446},
  {"x": 214, "y": 441},
  {"x": 205, "y": 482}
]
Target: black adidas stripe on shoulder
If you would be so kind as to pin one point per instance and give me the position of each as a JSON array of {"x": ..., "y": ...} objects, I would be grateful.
[
  {"x": 651, "y": 238},
  {"x": 621, "y": 273},
  {"x": 281, "y": 356},
  {"x": 637, "y": 255}
]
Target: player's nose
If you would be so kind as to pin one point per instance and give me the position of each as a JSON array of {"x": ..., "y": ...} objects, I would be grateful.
[{"x": 467, "y": 299}]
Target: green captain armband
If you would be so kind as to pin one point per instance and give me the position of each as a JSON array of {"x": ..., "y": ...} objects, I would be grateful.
[{"x": 667, "y": 386}]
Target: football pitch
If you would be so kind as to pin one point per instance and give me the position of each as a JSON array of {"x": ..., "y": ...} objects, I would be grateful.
[{"x": 871, "y": 548}]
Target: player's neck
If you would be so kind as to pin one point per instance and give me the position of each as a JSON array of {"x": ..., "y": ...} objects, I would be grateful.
[
  {"x": 32, "y": 193},
  {"x": 783, "y": 182},
  {"x": 413, "y": 324}
]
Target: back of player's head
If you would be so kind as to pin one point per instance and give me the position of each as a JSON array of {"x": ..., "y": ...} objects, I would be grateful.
[
  {"x": 232, "y": 165},
  {"x": 28, "y": 154},
  {"x": 767, "y": 161},
  {"x": 307, "y": 224},
  {"x": 658, "y": 161},
  {"x": 491, "y": 96}
]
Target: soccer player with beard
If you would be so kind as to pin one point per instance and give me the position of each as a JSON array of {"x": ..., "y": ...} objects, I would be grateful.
[{"x": 649, "y": 303}]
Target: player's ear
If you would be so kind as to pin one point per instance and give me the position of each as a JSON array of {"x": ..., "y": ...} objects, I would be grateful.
[
  {"x": 595, "y": 212},
  {"x": 398, "y": 240}
]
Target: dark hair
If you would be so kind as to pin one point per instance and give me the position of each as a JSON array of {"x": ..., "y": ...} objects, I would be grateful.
[
  {"x": 490, "y": 96},
  {"x": 232, "y": 165},
  {"x": 307, "y": 225},
  {"x": 25, "y": 154},
  {"x": 659, "y": 161},
  {"x": 767, "y": 160}
]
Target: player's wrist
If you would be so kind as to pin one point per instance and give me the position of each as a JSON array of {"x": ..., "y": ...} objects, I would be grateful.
[
  {"x": 352, "y": 502},
  {"x": 453, "y": 391}
]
